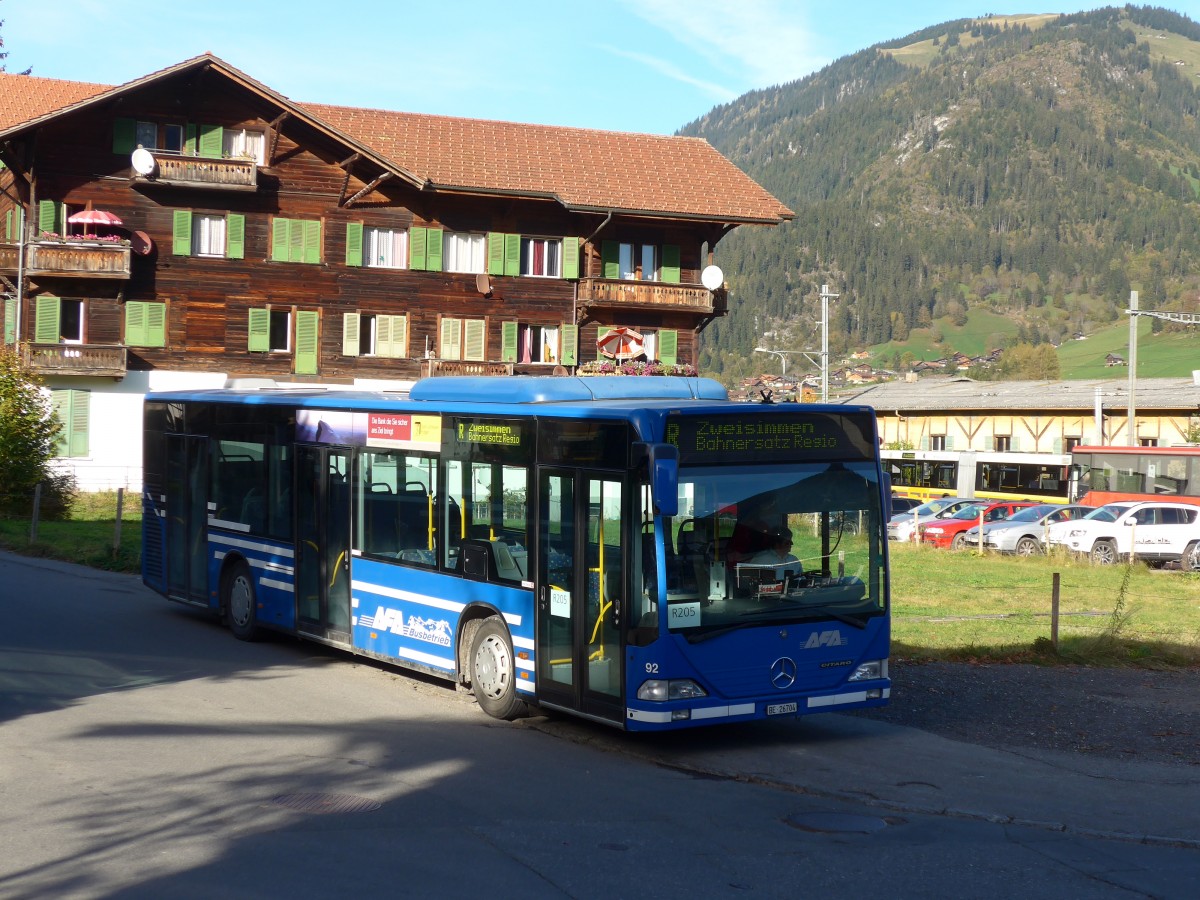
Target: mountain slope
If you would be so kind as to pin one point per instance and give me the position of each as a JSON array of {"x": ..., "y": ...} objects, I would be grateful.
[{"x": 1038, "y": 167}]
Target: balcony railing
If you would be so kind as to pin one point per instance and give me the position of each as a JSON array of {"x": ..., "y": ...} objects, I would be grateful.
[
  {"x": 71, "y": 259},
  {"x": 75, "y": 359},
  {"x": 605, "y": 292},
  {"x": 201, "y": 172}
]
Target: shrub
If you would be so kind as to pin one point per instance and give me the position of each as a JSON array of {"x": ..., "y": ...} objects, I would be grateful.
[{"x": 28, "y": 435}]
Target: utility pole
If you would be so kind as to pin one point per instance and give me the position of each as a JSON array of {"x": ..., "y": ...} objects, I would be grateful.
[
  {"x": 826, "y": 296},
  {"x": 1133, "y": 324}
]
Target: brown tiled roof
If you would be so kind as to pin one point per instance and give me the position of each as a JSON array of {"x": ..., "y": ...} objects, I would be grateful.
[
  {"x": 584, "y": 168},
  {"x": 24, "y": 97}
]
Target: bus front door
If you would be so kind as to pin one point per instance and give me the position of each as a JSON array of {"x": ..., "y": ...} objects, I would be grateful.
[
  {"x": 187, "y": 518},
  {"x": 581, "y": 592},
  {"x": 323, "y": 542}
]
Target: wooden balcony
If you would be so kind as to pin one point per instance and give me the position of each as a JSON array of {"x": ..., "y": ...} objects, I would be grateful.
[
  {"x": 604, "y": 293},
  {"x": 68, "y": 259},
  {"x": 75, "y": 359},
  {"x": 174, "y": 170}
]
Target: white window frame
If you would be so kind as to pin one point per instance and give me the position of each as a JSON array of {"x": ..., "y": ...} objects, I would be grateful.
[
  {"x": 464, "y": 252},
  {"x": 209, "y": 235},
  {"x": 281, "y": 321},
  {"x": 243, "y": 143},
  {"x": 81, "y": 333},
  {"x": 385, "y": 248},
  {"x": 552, "y": 257}
]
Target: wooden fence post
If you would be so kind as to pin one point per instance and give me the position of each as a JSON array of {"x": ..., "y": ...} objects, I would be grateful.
[
  {"x": 37, "y": 510},
  {"x": 117, "y": 528},
  {"x": 1054, "y": 613}
]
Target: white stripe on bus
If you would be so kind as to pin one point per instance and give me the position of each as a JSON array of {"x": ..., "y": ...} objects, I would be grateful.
[{"x": 275, "y": 549}]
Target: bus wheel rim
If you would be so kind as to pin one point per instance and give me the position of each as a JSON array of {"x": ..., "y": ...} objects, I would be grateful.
[
  {"x": 239, "y": 601},
  {"x": 493, "y": 666}
]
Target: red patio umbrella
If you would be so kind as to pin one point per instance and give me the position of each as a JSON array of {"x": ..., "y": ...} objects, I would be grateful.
[
  {"x": 91, "y": 216},
  {"x": 621, "y": 343}
]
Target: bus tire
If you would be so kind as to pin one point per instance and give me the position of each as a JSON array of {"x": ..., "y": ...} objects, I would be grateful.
[
  {"x": 237, "y": 597},
  {"x": 1104, "y": 553},
  {"x": 1028, "y": 546},
  {"x": 494, "y": 671}
]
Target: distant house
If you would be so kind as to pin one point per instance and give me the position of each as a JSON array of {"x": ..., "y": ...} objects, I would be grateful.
[{"x": 1113, "y": 359}]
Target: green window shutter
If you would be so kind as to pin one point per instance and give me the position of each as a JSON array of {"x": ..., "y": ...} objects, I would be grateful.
[
  {"x": 306, "y": 342},
  {"x": 124, "y": 136},
  {"x": 181, "y": 233},
  {"x": 259, "y": 327},
  {"x": 508, "y": 342},
  {"x": 235, "y": 236},
  {"x": 281, "y": 230},
  {"x": 668, "y": 347},
  {"x": 451, "y": 334},
  {"x": 47, "y": 322},
  {"x": 10, "y": 321},
  {"x": 49, "y": 216},
  {"x": 189, "y": 139},
  {"x": 433, "y": 250},
  {"x": 949, "y": 442},
  {"x": 8, "y": 225},
  {"x": 72, "y": 409},
  {"x": 295, "y": 249},
  {"x": 135, "y": 323},
  {"x": 211, "y": 140},
  {"x": 569, "y": 338},
  {"x": 610, "y": 257},
  {"x": 989, "y": 443},
  {"x": 354, "y": 243},
  {"x": 156, "y": 324},
  {"x": 399, "y": 336},
  {"x": 570, "y": 258},
  {"x": 670, "y": 263},
  {"x": 512, "y": 254},
  {"x": 312, "y": 242},
  {"x": 418, "y": 239},
  {"x": 474, "y": 339},
  {"x": 383, "y": 335},
  {"x": 1014, "y": 444},
  {"x": 1058, "y": 445},
  {"x": 495, "y": 253},
  {"x": 350, "y": 325}
]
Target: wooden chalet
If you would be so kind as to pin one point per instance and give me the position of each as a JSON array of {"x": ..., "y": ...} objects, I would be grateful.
[{"x": 260, "y": 237}]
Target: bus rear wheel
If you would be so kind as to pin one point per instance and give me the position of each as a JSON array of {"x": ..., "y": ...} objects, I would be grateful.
[
  {"x": 494, "y": 671},
  {"x": 238, "y": 600}
]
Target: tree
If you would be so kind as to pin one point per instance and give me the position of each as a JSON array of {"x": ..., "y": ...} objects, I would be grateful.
[
  {"x": 28, "y": 438},
  {"x": 4, "y": 55}
]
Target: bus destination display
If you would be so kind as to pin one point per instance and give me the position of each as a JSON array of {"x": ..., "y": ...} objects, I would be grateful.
[{"x": 742, "y": 437}]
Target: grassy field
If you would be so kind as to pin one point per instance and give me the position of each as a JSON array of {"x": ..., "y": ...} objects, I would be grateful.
[{"x": 948, "y": 606}]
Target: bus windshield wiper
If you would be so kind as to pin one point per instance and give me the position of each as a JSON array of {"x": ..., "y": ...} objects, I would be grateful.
[{"x": 809, "y": 610}]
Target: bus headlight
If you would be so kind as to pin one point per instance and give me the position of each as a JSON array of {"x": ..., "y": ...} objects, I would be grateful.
[
  {"x": 660, "y": 690},
  {"x": 870, "y": 670}
]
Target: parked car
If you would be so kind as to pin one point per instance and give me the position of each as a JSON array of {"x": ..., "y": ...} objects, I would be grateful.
[
  {"x": 903, "y": 504},
  {"x": 951, "y": 532},
  {"x": 902, "y": 527},
  {"x": 1156, "y": 531},
  {"x": 1022, "y": 533}
]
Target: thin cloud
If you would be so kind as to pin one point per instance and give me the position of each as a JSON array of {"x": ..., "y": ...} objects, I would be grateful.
[
  {"x": 669, "y": 70},
  {"x": 760, "y": 42}
]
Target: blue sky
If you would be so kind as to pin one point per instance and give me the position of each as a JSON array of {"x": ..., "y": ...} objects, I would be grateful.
[{"x": 623, "y": 65}]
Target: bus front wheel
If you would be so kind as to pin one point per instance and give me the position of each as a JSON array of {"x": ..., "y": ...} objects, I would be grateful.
[
  {"x": 494, "y": 671},
  {"x": 239, "y": 603}
]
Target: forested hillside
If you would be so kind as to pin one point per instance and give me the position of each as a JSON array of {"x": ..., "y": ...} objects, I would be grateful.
[{"x": 1038, "y": 167}]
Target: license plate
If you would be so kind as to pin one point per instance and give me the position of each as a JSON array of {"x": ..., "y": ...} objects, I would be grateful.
[{"x": 781, "y": 709}]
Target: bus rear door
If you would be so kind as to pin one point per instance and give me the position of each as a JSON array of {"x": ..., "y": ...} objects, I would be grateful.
[
  {"x": 581, "y": 591},
  {"x": 323, "y": 542}
]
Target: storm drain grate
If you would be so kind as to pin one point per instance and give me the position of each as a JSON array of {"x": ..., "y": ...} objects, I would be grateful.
[{"x": 326, "y": 803}]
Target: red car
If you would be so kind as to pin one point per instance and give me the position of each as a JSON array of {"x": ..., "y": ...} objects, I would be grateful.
[{"x": 949, "y": 532}]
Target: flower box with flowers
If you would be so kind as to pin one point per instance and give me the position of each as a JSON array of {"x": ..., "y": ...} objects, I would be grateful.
[
  {"x": 99, "y": 240},
  {"x": 636, "y": 367}
]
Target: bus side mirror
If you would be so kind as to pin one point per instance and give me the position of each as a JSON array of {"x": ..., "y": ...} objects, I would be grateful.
[{"x": 662, "y": 460}]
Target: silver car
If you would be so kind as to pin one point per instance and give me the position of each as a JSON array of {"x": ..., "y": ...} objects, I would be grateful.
[
  {"x": 1024, "y": 532},
  {"x": 902, "y": 527}
]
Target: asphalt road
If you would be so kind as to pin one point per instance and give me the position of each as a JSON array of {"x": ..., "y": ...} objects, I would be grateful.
[{"x": 146, "y": 753}]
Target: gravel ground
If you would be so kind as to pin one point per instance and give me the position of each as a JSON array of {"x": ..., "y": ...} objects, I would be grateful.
[{"x": 1133, "y": 714}]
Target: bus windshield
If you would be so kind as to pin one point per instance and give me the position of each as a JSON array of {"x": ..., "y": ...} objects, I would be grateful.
[{"x": 775, "y": 543}]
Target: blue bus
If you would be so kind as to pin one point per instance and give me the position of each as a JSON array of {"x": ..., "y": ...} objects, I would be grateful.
[{"x": 639, "y": 551}]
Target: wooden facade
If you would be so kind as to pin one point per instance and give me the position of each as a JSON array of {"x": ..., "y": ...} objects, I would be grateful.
[{"x": 247, "y": 222}]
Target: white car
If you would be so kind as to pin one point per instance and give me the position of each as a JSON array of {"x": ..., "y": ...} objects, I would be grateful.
[
  {"x": 1022, "y": 532},
  {"x": 1155, "y": 531},
  {"x": 902, "y": 526}
]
